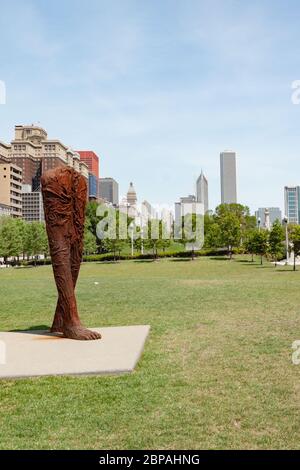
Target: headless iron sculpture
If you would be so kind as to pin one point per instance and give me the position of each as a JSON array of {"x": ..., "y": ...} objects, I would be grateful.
[{"x": 64, "y": 195}]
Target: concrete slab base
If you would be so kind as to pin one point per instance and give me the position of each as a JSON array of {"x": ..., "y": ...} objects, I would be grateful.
[{"x": 39, "y": 353}]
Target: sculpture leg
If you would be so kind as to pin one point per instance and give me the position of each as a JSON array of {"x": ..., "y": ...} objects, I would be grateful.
[
  {"x": 63, "y": 226},
  {"x": 57, "y": 325}
]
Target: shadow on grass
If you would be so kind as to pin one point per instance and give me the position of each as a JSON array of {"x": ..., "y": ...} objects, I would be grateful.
[
  {"x": 144, "y": 260},
  {"x": 220, "y": 258},
  {"x": 246, "y": 261},
  {"x": 286, "y": 270},
  {"x": 32, "y": 329},
  {"x": 108, "y": 262},
  {"x": 25, "y": 267},
  {"x": 176, "y": 260},
  {"x": 264, "y": 266}
]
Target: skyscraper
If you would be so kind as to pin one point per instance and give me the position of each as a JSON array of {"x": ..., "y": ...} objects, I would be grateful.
[
  {"x": 186, "y": 205},
  {"x": 109, "y": 190},
  {"x": 202, "y": 191},
  {"x": 92, "y": 161},
  {"x": 228, "y": 177},
  {"x": 292, "y": 204},
  {"x": 11, "y": 188}
]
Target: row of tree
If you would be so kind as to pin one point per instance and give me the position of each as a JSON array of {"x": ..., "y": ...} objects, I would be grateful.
[
  {"x": 231, "y": 227},
  {"x": 20, "y": 238}
]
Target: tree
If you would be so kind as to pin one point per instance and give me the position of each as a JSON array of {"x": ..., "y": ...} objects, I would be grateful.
[
  {"x": 89, "y": 242},
  {"x": 260, "y": 243},
  {"x": 249, "y": 243},
  {"x": 247, "y": 222},
  {"x": 295, "y": 240},
  {"x": 276, "y": 237},
  {"x": 212, "y": 236},
  {"x": 115, "y": 235},
  {"x": 192, "y": 232},
  {"x": 11, "y": 240},
  {"x": 155, "y": 236},
  {"x": 92, "y": 220},
  {"x": 35, "y": 242},
  {"x": 230, "y": 229}
]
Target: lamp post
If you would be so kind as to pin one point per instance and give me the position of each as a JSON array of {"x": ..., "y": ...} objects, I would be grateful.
[
  {"x": 285, "y": 221},
  {"x": 131, "y": 225},
  {"x": 142, "y": 237},
  {"x": 258, "y": 223}
]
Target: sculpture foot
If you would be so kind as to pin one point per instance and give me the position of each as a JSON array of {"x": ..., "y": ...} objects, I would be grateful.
[
  {"x": 56, "y": 329},
  {"x": 80, "y": 333}
]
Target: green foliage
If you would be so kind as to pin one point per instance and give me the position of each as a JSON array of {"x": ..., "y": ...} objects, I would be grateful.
[
  {"x": 154, "y": 232},
  {"x": 11, "y": 237},
  {"x": 90, "y": 244},
  {"x": 192, "y": 231},
  {"x": 228, "y": 226},
  {"x": 217, "y": 362},
  {"x": 295, "y": 240},
  {"x": 276, "y": 237},
  {"x": 230, "y": 229},
  {"x": 260, "y": 243},
  {"x": 35, "y": 240}
]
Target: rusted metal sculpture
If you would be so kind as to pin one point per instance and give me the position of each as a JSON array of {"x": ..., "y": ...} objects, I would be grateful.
[{"x": 64, "y": 195}]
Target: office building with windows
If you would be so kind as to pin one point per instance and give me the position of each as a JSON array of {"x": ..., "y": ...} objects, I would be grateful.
[
  {"x": 228, "y": 177},
  {"x": 292, "y": 204}
]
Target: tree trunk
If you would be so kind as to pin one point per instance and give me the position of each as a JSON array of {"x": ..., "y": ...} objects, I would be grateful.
[
  {"x": 261, "y": 259},
  {"x": 294, "y": 262}
]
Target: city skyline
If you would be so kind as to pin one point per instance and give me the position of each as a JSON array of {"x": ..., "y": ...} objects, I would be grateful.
[{"x": 165, "y": 93}]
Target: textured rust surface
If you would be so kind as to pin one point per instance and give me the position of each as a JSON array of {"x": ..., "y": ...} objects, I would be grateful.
[{"x": 64, "y": 195}]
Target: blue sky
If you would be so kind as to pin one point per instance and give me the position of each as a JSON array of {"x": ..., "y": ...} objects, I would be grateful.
[{"x": 158, "y": 88}]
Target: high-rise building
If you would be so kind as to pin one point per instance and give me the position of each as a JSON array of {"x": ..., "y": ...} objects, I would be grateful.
[
  {"x": 148, "y": 211},
  {"x": 202, "y": 191},
  {"x": 32, "y": 206},
  {"x": 274, "y": 214},
  {"x": 292, "y": 204},
  {"x": 228, "y": 177},
  {"x": 92, "y": 160},
  {"x": 11, "y": 188},
  {"x": 93, "y": 187},
  {"x": 4, "y": 153},
  {"x": 185, "y": 204},
  {"x": 32, "y": 151},
  {"x": 109, "y": 190}
]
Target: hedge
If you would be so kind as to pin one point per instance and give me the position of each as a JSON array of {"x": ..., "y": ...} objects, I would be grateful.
[{"x": 137, "y": 256}]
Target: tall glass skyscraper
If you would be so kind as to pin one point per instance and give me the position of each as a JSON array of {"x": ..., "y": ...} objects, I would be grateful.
[
  {"x": 202, "y": 191},
  {"x": 292, "y": 204},
  {"x": 228, "y": 177}
]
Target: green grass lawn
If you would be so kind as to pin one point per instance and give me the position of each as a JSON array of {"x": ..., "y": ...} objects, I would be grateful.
[{"x": 216, "y": 371}]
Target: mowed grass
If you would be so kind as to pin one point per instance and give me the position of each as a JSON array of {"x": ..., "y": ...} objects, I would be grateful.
[{"x": 216, "y": 371}]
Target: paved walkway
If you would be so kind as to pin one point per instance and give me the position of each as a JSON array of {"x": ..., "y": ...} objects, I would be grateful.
[{"x": 39, "y": 353}]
